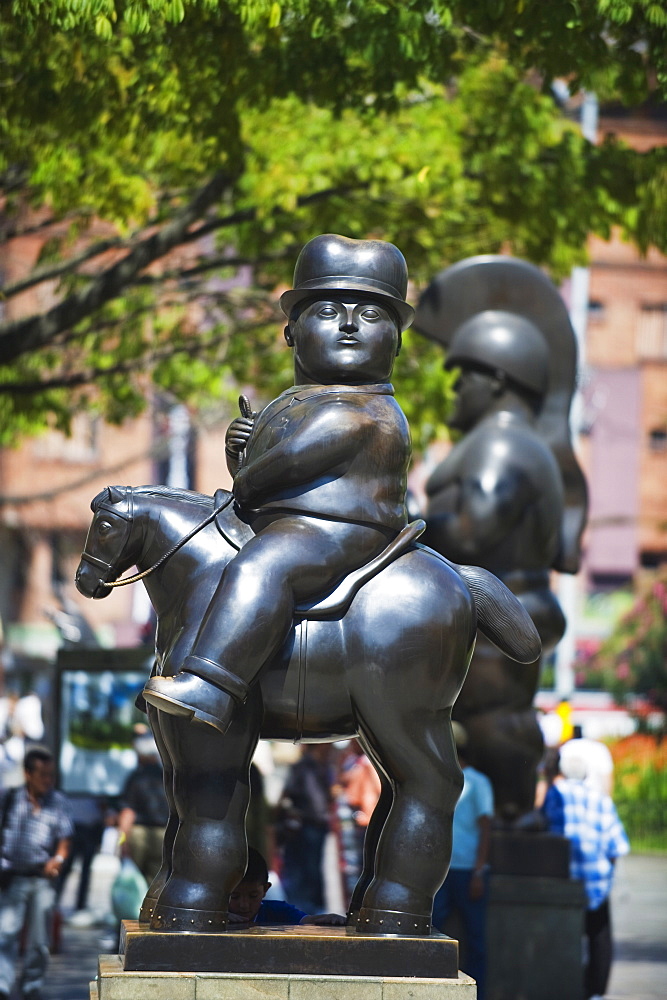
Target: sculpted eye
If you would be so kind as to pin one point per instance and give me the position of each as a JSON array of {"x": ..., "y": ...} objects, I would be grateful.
[
  {"x": 370, "y": 314},
  {"x": 328, "y": 312},
  {"x": 104, "y": 527}
]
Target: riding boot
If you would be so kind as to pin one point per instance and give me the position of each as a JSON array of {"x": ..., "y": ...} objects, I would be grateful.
[{"x": 203, "y": 690}]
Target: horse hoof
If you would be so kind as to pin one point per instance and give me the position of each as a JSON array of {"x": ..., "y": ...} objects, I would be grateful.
[
  {"x": 187, "y": 695},
  {"x": 173, "y": 919},
  {"x": 394, "y": 922}
]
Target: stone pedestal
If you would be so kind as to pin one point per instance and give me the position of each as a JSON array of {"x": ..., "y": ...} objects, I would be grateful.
[
  {"x": 541, "y": 854},
  {"x": 281, "y": 963},
  {"x": 534, "y": 919},
  {"x": 114, "y": 983},
  {"x": 534, "y": 938}
]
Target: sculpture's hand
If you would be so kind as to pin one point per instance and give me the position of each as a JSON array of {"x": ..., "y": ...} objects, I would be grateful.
[
  {"x": 325, "y": 920},
  {"x": 237, "y": 435}
]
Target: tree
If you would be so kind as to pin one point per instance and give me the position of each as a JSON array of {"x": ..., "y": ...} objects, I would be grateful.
[{"x": 213, "y": 135}]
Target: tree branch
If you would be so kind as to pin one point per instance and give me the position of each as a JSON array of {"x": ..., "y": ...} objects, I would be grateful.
[
  {"x": 29, "y": 334},
  {"x": 210, "y": 264},
  {"x": 250, "y": 214},
  {"x": 90, "y": 375},
  {"x": 50, "y": 272},
  {"x": 11, "y": 232}
]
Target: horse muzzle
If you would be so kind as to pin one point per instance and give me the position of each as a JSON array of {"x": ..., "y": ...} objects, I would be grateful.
[{"x": 89, "y": 581}]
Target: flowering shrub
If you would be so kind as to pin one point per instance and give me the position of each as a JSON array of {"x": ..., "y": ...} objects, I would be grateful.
[
  {"x": 633, "y": 660},
  {"x": 640, "y": 790}
]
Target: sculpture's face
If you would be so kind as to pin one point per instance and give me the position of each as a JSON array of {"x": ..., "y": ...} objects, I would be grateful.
[
  {"x": 475, "y": 394},
  {"x": 343, "y": 339}
]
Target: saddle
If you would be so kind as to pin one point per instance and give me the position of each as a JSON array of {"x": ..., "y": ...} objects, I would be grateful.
[{"x": 236, "y": 530}]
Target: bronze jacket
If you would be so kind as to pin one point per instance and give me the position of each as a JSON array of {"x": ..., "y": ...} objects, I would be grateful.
[{"x": 337, "y": 451}]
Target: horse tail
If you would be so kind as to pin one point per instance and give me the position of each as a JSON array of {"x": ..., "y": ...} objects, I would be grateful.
[{"x": 501, "y": 617}]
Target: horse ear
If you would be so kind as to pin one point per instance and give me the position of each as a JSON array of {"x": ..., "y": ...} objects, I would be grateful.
[{"x": 116, "y": 494}]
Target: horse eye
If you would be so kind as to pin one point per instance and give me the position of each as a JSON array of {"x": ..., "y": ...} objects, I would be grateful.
[{"x": 103, "y": 527}]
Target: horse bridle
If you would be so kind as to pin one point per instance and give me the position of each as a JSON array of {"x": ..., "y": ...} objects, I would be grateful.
[{"x": 128, "y": 518}]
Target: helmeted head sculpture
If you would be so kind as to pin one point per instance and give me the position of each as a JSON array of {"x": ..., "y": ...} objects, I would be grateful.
[
  {"x": 502, "y": 342},
  {"x": 497, "y": 312}
]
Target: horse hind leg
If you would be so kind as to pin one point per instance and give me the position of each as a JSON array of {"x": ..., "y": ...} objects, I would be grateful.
[
  {"x": 414, "y": 846},
  {"x": 373, "y": 831}
]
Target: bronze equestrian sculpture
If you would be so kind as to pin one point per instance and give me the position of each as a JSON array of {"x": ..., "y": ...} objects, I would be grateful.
[
  {"x": 510, "y": 495},
  {"x": 351, "y": 626}
]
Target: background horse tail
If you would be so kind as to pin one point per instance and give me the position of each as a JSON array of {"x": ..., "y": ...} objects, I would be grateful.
[{"x": 500, "y": 615}]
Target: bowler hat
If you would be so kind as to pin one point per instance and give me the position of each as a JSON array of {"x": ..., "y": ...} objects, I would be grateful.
[{"x": 339, "y": 264}]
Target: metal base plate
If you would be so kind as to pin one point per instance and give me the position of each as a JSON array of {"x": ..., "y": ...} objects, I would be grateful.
[{"x": 300, "y": 950}]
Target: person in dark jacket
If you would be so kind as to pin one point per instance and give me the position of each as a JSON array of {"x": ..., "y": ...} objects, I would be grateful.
[{"x": 304, "y": 820}]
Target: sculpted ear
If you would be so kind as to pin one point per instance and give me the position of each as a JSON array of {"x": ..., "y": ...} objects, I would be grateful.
[
  {"x": 289, "y": 339},
  {"x": 116, "y": 494}
]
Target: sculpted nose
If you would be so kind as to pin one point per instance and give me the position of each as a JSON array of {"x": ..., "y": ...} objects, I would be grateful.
[{"x": 348, "y": 324}]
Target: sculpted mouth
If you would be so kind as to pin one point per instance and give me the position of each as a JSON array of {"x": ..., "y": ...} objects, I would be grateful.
[{"x": 347, "y": 339}]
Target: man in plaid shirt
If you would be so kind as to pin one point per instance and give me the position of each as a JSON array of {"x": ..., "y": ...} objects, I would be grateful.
[
  {"x": 36, "y": 832},
  {"x": 590, "y": 822}
]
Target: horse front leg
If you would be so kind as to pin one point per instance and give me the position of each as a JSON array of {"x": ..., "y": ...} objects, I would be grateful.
[
  {"x": 211, "y": 790},
  {"x": 157, "y": 885}
]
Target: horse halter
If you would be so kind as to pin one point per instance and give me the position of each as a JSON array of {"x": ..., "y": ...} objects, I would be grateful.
[{"x": 128, "y": 518}]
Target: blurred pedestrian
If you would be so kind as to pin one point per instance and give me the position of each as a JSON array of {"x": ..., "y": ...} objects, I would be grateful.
[
  {"x": 598, "y": 758},
  {"x": 88, "y": 815},
  {"x": 302, "y": 824},
  {"x": 36, "y": 829},
  {"x": 144, "y": 811},
  {"x": 21, "y": 726},
  {"x": 590, "y": 822},
  {"x": 466, "y": 889},
  {"x": 361, "y": 789}
]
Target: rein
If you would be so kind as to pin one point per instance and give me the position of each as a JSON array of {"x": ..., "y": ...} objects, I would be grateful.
[{"x": 174, "y": 548}]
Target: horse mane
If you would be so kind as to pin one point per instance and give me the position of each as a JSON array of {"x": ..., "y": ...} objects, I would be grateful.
[{"x": 168, "y": 492}]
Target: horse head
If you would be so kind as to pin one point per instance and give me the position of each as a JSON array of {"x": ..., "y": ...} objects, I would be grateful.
[{"x": 107, "y": 552}]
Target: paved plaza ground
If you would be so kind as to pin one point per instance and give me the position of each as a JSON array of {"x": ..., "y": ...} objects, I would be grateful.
[{"x": 639, "y": 911}]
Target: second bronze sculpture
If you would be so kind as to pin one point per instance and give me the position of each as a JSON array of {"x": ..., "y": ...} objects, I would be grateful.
[
  {"x": 510, "y": 495},
  {"x": 304, "y": 608}
]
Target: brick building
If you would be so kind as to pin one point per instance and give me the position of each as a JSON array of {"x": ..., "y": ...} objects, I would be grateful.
[{"x": 625, "y": 395}]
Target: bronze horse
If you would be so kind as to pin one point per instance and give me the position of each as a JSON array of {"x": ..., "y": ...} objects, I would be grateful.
[{"x": 387, "y": 670}]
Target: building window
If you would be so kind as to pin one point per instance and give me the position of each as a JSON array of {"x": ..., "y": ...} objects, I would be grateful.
[
  {"x": 651, "y": 560},
  {"x": 606, "y": 582},
  {"x": 652, "y": 332},
  {"x": 595, "y": 310},
  {"x": 657, "y": 439},
  {"x": 81, "y": 446}
]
